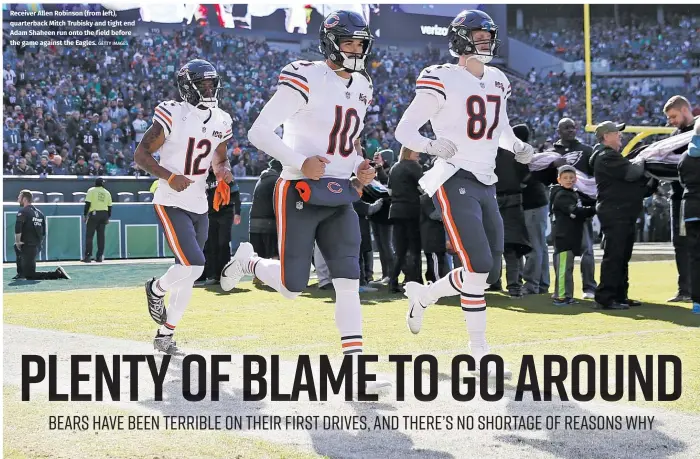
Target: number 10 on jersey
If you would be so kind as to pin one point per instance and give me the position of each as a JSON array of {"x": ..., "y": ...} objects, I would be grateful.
[{"x": 344, "y": 121}]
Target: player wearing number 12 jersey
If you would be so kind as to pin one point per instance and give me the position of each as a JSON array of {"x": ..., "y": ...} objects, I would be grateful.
[
  {"x": 322, "y": 106},
  {"x": 189, "y": 136},
  {"x": 466, "y": 106}
]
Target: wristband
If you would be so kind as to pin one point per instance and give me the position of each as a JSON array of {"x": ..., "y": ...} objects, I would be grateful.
[{"x": 170, "y": 179}]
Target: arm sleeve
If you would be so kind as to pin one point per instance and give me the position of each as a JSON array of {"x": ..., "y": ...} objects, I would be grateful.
[
  {"x": 584, "y": 212},
  {"x": 19, "y": 223},
  {"x": 508, "y": 140},
  {"x": 86, "y": 209},
  {"x": 620, "y": 168},
  {"x": 163, "y": 115},
  {"x": 283, "y": 104},
  {"x": 563, "y": 203},
  {"x": 422, "y": 108},
  {"x": 109, "y": 211},
  {"x": 236, "y": 200}
]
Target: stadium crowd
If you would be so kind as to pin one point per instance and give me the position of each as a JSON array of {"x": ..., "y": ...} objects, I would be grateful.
[
  {"x": 640, "y": 44},
  {"x": 74, "y": 111}
]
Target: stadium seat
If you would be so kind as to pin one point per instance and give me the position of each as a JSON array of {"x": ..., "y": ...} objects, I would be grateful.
[
  {"x": 54, "y": 197},
  {"x": 246, "y": 197},
  {"x": 38, "y": 196},
  {"x": 145, "y": 196},
  {"x": 79, "y": 196},
  {"x": 125, "y": 196}
]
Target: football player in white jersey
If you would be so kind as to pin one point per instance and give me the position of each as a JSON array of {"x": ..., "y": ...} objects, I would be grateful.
[
  {"x": 466, "y": 106},
  {"x": 189, "y": 136},
  {"x": 322, "y": 106}
]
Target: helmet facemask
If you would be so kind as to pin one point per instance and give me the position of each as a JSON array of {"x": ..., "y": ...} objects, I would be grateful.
[
  {"x": 193, "y": 90},
  {"x": 463, "y": 44},
  {"x": 349, "y": 62}
]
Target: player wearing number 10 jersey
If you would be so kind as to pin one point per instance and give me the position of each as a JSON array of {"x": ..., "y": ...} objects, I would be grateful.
[
  {"x": 189, "y": 136},
  {"x": 322, "y": 106},
  {"x": 466, "y": 106}
]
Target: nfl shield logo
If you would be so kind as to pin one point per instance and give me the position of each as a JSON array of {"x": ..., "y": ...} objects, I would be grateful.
[
  {"x": 204, "y": 129},
  {"x": 462, "y": 191},
  {"x": 482, "y": 85},
  {"x": 300, "y": 205},
  {"x": 347, "y": 95}
]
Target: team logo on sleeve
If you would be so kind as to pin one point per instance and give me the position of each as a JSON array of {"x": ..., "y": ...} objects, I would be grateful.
[
  {"x": 363, "y": 98},
  {"x": 500, "y": 86}
]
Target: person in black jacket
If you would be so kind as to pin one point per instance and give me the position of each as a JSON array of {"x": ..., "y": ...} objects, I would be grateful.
[
  {"x": 621, "y": 188},
  {"x": 364, "y": 211},
  {"x": 689, "y": 173},
  {"x": 30, "y": 230},
  {"x": 569, "y": 217},
  {"x": 433, "y": 239},
  {"x": 511, "y": 175},
  {"x": 263, "y": 227},
  {"x": 380, "y": 223},
  {"x": 217, "y": 249},
  {"x": 679, "y": 115},
  {"x": 405, "y": 216}
]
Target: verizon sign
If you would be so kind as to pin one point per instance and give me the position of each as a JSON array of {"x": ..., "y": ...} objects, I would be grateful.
[{"x": 433, "y": 30}]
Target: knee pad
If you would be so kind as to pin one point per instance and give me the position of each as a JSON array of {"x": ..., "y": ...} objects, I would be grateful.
[
  {"x": 346, "y": 286},
  {"x": 495, "y": 271},
  {"x": 289, "y": 295}
]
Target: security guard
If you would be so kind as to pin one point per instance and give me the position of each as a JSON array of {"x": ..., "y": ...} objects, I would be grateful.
[
  {"x": 621, "y": 188},
  {"x": 30, "y": 230},
  {"x": 689, "y": 173},
  {"x": 97, "y": 211},
  {"x": 217, "y": 250}
]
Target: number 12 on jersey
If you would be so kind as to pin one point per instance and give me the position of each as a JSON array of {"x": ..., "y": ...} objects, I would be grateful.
[{"x": 344, "y": 120}]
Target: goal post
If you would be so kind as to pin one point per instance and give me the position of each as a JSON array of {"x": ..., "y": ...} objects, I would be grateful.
[{"x": 641, "y": 131}]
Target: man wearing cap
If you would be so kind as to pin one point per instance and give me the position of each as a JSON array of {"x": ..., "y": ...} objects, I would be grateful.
[
  {"x": 97, "y": 211},
  {"x": 621, "y": 188}
]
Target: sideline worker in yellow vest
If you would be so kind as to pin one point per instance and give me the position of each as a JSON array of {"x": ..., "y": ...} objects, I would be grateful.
[{"x": 98, "y": 210}]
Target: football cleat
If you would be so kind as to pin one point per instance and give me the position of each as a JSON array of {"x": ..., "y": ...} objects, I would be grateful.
[
  {"x": 166, "y": 344},
  {"x": 417, "y": 304},
  {"x": 478, "y": 352},
  {"x": 156, "y": 304},
  {"x": 234, "y": 270}
]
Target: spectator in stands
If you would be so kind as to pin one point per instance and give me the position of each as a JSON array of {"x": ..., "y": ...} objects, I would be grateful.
[
  {"x": 80, "y": 167},
  {"x": 44, "y": 168},
  {"x": 239, "y": 170},
  {"x": 97, "y": 168},
  {"x": 23, "y": 169},
  {"x": 58, "y": 167}
]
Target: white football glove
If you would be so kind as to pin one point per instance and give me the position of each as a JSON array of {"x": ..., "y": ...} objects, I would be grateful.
[
  {"x": 442, "y": 148},
  {"x": 525, "y": 154}
]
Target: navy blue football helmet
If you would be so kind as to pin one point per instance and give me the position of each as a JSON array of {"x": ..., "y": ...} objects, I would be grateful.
[
  {"x": 342, "y": 25},
  {"x": 460, "y": 37},
  {"x": 191, "y": 82}
]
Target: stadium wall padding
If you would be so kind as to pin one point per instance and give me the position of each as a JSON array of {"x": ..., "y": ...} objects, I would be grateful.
[
  {"x": 133, "y": 232},
  {"x": 68, "y": 184}
]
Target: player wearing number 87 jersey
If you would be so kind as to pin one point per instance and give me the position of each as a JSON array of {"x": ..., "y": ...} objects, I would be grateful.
[
  {"x": 189, "y": 136},
  {"x": 466, "y": 106},
  {"x": 322, "y": 106}
]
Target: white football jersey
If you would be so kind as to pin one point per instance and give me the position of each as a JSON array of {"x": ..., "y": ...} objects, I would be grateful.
[
  {"x": 331, "y": 119},
  {"x": 472, "y": 113},
  {"x": 191, "y": 138}
]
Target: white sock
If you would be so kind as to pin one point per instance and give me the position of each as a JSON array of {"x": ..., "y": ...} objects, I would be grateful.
[
  {"x": 348, "y": 315},
  {"x": 474, "y": 306},
  {"x": 179, "y": 299},
  {"x": 449, "y": 285}
]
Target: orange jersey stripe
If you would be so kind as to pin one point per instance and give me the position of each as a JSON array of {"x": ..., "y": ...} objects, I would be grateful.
[
  {"x": 171, "y": 235},
  {"x": 295, "y": 81},
  {"x": 434, "y": 83},
  {"x": 165, "y": 116},
  {"x": 452, "y": 229}
]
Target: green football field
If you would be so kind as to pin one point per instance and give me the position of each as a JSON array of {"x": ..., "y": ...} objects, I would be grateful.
[{"x": 103, "y": 308}]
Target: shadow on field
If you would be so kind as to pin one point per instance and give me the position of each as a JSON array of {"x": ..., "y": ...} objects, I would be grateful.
[
  {"x": 542, "y": 304},
  {"x": 330, "y": 443},
  {"x": 620, "y": 441}
]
